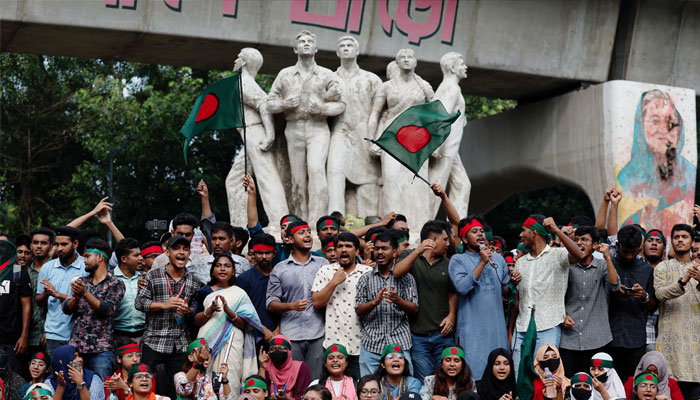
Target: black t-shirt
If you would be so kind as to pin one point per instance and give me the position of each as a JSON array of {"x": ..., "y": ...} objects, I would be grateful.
[{"x": 11, "y": 306}]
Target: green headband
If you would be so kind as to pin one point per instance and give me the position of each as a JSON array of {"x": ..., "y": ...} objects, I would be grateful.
[
  {"x": 391, "y": 348},
  {"x": 582, "y": 377},
  {"x": 326, "y": 222},
  {"x": 452, "y": 351},
  {"x": 402, "y": 239},
  {"x": 522, "y": 248},
  {"x": 138, "y": 368},
  {"x": 488, "y": 236},
  {"x": 645, "y": 377},
  {"x": 38, "y": 392},
  {"x": 196, "y": 344},
  {"x": 597, "y": 362},
  {"x": 96, "y": 251},
  {"x": 255, "y": 382},
  {"x": 336, "y": 348}
]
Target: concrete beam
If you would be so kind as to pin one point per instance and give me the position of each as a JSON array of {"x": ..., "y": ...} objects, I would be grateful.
[{"x": 584, "y": 139}]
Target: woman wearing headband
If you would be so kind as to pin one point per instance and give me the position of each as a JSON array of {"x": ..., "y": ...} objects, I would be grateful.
[
  {"x": 393, "y": 374},
  {"x": 602, "y": 370},
  {"x": 286, "y": 379},
  {"x": 333, "y": 375},
  {"x": 654, "y": 363},
  {"x": 451, "y": 377}
]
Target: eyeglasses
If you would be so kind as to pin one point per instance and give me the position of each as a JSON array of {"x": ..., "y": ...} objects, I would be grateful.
[
  {"x": 143, "y": 376},
  {"x": 398, "y": 356},
  {"x": 370, "y": 393},
  {"x": 645, "y": 385},
  {"x": 135, "y": 354}
]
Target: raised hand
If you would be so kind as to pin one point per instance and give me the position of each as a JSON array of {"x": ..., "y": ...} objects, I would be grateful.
[
  {"x": 549, "y": 224},
  {"x": 438, "y": 190},
  {"x": 202, "y": 189},
  {"x": 616, "y": 196}
]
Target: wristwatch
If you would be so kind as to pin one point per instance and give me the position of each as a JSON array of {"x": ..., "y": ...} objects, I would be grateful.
[
  {"x": 80, "y": 386},
  {"x": 680, "y": 282},
  {"x": 646, "y": 298}
]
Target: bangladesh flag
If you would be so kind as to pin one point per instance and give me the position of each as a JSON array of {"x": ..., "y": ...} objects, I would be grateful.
[
  {"x": 8, "y": 255},
  {"x": 416, "y": 133},
  {"x": 219, "y": 106},
  {"x": 526, "y": 368}
]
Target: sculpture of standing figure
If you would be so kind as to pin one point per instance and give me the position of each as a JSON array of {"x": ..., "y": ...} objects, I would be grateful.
[
  {"x": 260, "y": 137},
  {"x": 445, "y": 164},
  {"x": 307, "y": 94},
  {"x": 398, "y": 94},
  {"x": 349, "y": 157}
]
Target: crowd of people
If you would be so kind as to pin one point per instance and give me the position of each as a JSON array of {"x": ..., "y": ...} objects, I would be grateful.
[{"x": 581, "y": 311}]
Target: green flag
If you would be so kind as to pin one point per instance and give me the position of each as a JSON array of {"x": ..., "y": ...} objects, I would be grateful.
[
  {"x": 219, "y": 106},
  {"x": 8, "y": 256},
  {"x": 416, "y": 133},
  {"x": 526, "y": 368}
]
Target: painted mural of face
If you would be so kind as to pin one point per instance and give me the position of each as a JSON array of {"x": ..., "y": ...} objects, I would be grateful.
[{"x": 661, "y": 124}]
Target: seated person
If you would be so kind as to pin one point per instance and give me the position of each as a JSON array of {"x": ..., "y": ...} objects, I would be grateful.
[
  {"x": 286, "y": 378},
  {"x": 498, "y": 379},
  {"x": 548, "y": 357},
  {"x": 194, "y": 375},
  {"x": 654, "y": 363},
  {"x": 255, "y": 386},
  {"x": 646, "y": 387},
  {"x": 451, "y": 377},
  {"x": 333, "y": 375},
  {"x": 603, "y": 371},
  {"x": 36, "y": 391},
  {"x": 39, "y": 368},
  {"x": 141, "y": 384},
  {"x": 393, "y": 373},
  {"x": 69, "y": 380}
]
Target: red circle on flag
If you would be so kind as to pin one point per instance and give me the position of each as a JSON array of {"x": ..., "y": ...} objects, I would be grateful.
[
  {"x": 143, "y": 368},
  {"x": 278, "y": 341},
  {"x": 413, "y": 138},
  {"x": 35, "y": 393},
  {"x": 649, "y": 377},
  {"x": 251, "y": 382},
  {"x": 583, "y": 378},
  {"x": 40, "y": 356},
  {"x": 202, "y": 342},
  {"x": 334, "y": 348},
  {"x": 329, "y": 222},
  {"x": 453, "y": 350},
  {"x": 208, "y": 108},
  {"x": 397, "y": 349},
  {"x": 596, "y": 363}
]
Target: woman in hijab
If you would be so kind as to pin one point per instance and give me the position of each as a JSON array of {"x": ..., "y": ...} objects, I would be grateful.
[
  {"x": 286, "y": 379},
  {"x": 548, "y": 357},
  {"x": 69, "y": 380},
  {"x": 498, "y": 380},
  {"x": 603, "y": 371},
  {"x": 646, "y": 387},
  {"x": 582, "y": 388},
  {"x": 654, "y": 363}
]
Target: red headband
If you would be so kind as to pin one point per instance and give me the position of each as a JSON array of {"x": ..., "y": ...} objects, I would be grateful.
[
  {"x": 330, "y": 244},
  {"x": 466, "y": 228},
  {"x": 298, "y": 227},
  {"x": 529, "y": 222},
  {"x": 509, "y": 259},
  {"x": 263, "y": 247},
  {"x": 150, "y": 250}
]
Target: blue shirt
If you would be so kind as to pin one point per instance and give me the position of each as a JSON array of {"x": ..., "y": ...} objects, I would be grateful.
[
  {"x": 128, "y": 318},
  {"x": 480, "y": 323},
  {"x": 254, "y": 283},
  {"x": 58, "y": 326}
]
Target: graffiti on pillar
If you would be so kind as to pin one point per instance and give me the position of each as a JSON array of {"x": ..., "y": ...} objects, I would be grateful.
[
  {"x": 347, "y": 16},
  {"x": 441, "y": 17},
  {"x": 175, "y": 5},
  {"x": 657, "y": 181},
  {"x": 230, "y": 8},
  {"x": 126, "y": 4}
]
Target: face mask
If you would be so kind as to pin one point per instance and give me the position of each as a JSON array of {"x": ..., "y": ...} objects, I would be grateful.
[
  {"x": 552, "y": 364},
  {"x": 278, "y": 357},
  {"x": 581, "y": 394},
  {"x": 603, "y": 378}
]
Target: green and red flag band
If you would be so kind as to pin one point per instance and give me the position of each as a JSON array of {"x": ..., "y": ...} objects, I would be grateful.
[
  {"x": 532, "y": 223},
  {"x": 36, "y": 393},
  {"x": 281, "y": 340},
  {"x": 288, "y": 219},
  {"x": 128, "y": 348},
  {"x": 151, "y": 250},
  {"x": 645, "y": 377},
  {"x": 8, "y": 256},
  {"x": 657, "y": 233},
  {"x": 452, "y": 351},
  {"x": 581, "y": 377},
  {"x": 466, "y": 228},
  {"x": 402, "y": 239},
  {"x": 196, "y": 344},
  {"x": 263, "y": 247},
  {"x": 255, "y": 382},
  {"x": 597, "y": 362},
  {"x": 374, "y": 236},
  {"x": 391, "y": 348},
  {"x": 326, "y": 222},
  {"x": 100, "y": 252},
  {"x": 139, "y": 368},
  {"x": 336, "y": 348},
  {"x": 298, "y": 227}
]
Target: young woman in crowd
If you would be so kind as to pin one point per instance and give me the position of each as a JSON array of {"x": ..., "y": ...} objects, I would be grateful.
[
  {"x": 69, "y": 380},
  {"x": 333, "y": 375},
  {"x": 498, "y": 379},
  {"x": 39, "y": 367},
  {"x": 222, "y": 313},
  {"x": 255, "y": 386},
  {"x": 140, "y": 379},
  {"x": 286, "y": 378},
  {"x": 646, "y": 387},
  {"x": 393, "y": 374},
  {"x": 128, "y": 355},
  {"x": 36, "y": 391},
  {"x": 654, "y": 363},
  {"x": 195, "y": 382},
  {"x": 317, "y": 392},
  {"x": 548, "y": 357},
  {"x": 582, "y": 388},
  {"x": 602, "y": 370},
  {"x": 451, "y": 377},
  {"x": 368, "y": 388}
]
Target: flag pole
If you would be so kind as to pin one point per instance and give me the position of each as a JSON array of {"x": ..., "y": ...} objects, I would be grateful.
[{"x": 245, "y": 136}]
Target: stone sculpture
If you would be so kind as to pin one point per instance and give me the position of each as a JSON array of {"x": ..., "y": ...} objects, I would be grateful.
[
  {"x": 307, "y": 94},
  {"x": 260, "y": 132},
  {"x": 399, "y": 193},
  {"x": 348, "y": 156},
  {"x": 445, "y": 165}
]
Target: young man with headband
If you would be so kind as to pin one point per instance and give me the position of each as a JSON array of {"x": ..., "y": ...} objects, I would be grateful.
[
  {"x": 149, "y": 252},
  {"x": 94, "y": 300},
  {"x": 289, "y": 294}
]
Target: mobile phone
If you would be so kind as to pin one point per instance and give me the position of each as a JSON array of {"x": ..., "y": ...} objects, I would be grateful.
[
  {"x": 75, "y": 364},
  {"x": 628, "y": 290}
]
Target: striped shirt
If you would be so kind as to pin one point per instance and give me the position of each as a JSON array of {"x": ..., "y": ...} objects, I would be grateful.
[{"x": 386, "y": 323}]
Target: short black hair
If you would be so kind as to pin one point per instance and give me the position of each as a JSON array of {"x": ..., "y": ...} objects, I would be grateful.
[
  {"x": 399, "y": 234},
  {"x": 500, "y": 239},
  {"x": 124, "y": 247},
  {"x": 148, "y": 244},
  {"x": 348, "y": 237},
  {"x": 629, "y": 237},
  {"x": 329, "y": 239},
  {"x": 185, "y": 219},
  {"x": 376, "y": 230},
  {"x": 265, "y": 238},
  {"x": 432, "y": 227},
  {"x": 223, "y": 226},
  {"x": 364, "y": 380},
  {"x": 23, "y": 240},
  {"x": 241, "y": 234},
  {"x": 682, "y": 227},
  {"x": 212, "y": 280},
  {"x": 582, "y": 220},
  {"x": 100, "y": 245},
  {"x": 399, "y": 217},
  {"x": 294, "y": 225},
  {"x": 337, "y": 214},
  {"x": 69, "y": 231},
  {"x": 387, "y": 237},
  {"x": 322, "y": 390},
  {"x": 43, "y": 231},
  {"x": 588, "y": 230},
  {"x": 86, "y": 236},
  {"x": 468, "y": 219}
]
